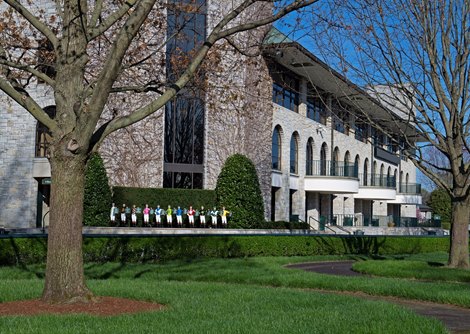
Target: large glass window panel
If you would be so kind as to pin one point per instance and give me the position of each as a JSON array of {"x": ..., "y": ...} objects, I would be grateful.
[
  {"x": 309, "y": 159},
  {"x": 316, "y": 109},
  {"x": 43, "y": 135},
  {"x": 294, "y": 154},
  {"x": 184, "y": 115},
  {"x": 184, "y": 130},
  {"x": 285, "y": 88},
  {"x": 276, "y": 150}
]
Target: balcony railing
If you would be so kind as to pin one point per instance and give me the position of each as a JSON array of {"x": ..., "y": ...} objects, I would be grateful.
[
  {"x": 359, "y": 219},
  {"x": 375, "y": 180},
  {"x": 331, "y": 168},
  {"x": 410, "y": 188}
]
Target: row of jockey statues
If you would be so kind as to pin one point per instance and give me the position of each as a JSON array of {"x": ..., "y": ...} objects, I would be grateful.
[{"x": 147, "y": 217}]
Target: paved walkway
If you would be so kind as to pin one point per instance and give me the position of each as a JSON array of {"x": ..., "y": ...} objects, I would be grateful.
[{"x": 455, "y": 318}]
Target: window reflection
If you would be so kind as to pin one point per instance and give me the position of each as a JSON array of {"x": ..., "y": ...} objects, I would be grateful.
[{"x": 184, "y": 115}]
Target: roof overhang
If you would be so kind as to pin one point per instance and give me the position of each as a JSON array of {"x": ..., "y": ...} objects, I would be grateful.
[{"x": 299, "y": 60}]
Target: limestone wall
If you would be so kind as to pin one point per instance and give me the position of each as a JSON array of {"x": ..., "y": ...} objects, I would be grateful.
[{"x": 18, "y": 188}]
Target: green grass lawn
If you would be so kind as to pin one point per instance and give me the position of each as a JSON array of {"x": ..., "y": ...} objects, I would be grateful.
[
  {"x": 251, "y": 295},
  {"x": 419, "y": 267}
]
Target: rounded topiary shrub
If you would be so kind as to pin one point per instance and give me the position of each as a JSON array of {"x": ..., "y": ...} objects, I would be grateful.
[
  {"x": 239, "y": 191},
  {"x": 97, "y": 201}
]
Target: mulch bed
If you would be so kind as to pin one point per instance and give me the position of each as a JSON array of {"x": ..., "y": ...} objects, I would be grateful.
[{"x": 103, "y": 306}]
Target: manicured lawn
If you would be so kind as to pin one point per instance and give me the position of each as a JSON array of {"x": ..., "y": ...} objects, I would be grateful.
[
  {"x": 196, "y": 307},
  {"x": 251, "y": 295},
  {"x": 431, "y": 268}
]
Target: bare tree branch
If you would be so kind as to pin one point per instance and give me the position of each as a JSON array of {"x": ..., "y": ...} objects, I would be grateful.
[
  {"x": 216, "y": 34},
  {"x": 110, "y": 20},
  {"x": 29, "y": 104},
  {"x": 96, "y": 13},
  {"x": 35, "y": 21},
  {"x": 40, "y": 75}
]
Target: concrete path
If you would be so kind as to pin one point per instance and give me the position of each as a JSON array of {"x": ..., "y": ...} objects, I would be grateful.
[{"x": 455, "y": 318}]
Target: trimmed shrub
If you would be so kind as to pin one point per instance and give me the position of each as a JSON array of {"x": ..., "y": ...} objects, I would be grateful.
[
  {"x": 97, "y": 201},
  {"x": 21, "y": 251},
  {"x": 441, "y": 205},
  {"x": 239, "y": 191}
]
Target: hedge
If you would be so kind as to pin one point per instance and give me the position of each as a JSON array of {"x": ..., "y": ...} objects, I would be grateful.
[
  {"x": 238, "y": 190},
  {"x": 164, "y": 197},
  {"x": 20, "y": 251},
  {"x": 97, "y": 199}
]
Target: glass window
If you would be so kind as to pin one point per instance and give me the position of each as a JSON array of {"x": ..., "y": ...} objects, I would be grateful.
[
  {"x": 182, "y": 180},
  {"x": 184, "y": 130},
  {"x": 340, "y": 117},
  {"x": 294, "y": 154},
  {"x": 276, "y": 149},
  {"x": 316, "y": 109},
  {"x": 43, "y": 135},
  {"x": 365, "y": 173},
  {"x": 285, "y": 88},
  {"x": 323, "y": 159},
  {"x": 361, "y": 131},
  {"x": 46, "y": 58},
  {"x": 309, "y": 159},
  {"x": 184, "y": 115}
]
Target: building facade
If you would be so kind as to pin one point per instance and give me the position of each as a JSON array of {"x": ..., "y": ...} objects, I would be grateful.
[
  {"x": 307, "y": 130},
  {"x": 337, "y": 155}
]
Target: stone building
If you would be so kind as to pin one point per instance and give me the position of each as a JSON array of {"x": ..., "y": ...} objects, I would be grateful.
[{"x": 302, "y": 124}]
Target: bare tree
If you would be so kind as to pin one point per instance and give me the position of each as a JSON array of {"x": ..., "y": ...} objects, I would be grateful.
[
  {"x": 413, "y": 56},
  {"x": 91, "y": 52}
]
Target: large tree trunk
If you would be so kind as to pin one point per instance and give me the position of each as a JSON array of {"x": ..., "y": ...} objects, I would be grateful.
[
  {"x": 65, "y": 282},
  {"x": 458, "y": 255}
]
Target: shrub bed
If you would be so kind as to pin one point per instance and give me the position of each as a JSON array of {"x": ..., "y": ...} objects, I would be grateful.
[{"x": 19, "y": 251}]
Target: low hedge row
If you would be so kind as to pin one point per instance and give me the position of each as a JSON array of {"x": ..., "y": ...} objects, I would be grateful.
[{"x": 19, "y": 251}]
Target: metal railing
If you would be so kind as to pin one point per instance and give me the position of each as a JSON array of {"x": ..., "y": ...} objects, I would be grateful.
[
  {"x": 376, "y": 180},
  {"x": 409, "y": 188},
  {"x": 358, "y": 219},
  {"x": 331, "y": 168},
  {"x": 320, "y": 228}
]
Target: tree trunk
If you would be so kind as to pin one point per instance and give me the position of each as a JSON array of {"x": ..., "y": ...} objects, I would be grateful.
[
  {"x": 458, "y": 255},
  {"x": 65, "y": 281}
]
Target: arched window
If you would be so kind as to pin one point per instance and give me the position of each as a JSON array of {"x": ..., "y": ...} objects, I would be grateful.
[
  {"x": 323, "y": 159},
  {"x": 335, "y": 168},
  {"x": 356, "y": 166},
  {"x": 389, "y": 177},
  {"x": 395, "y": 177},
  {"x": 374, "y": 174},
  {"x": 309, "y": 157},
  {"x": 381, "y": 176},
  {"x": 43, "y": 135},
  {"x": 347, "y": 167},
  {"x": 400, "y": 181},
  {"x": 276, "y": 148},
  {"x": 294, "y": 153},
  {"x": 365, "y": 173}
]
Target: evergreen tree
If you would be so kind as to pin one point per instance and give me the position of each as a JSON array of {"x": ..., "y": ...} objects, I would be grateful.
[
  {"x": 98, "y": 199},
  {"x": 239, "y": 191}
]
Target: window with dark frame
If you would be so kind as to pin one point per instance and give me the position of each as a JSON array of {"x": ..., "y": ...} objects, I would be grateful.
[
  {"x": 184, "y": 115},
  {"x": 276, "y": 149},
  {"x": 43, "y": 135},
  {"x": 316, "y": 109},
  {"x": 340, "y": 117},
  {"x": 46, "y": 58},
  {"x": 285, "y": 88},
  {"x": 294, "y": 154}
]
